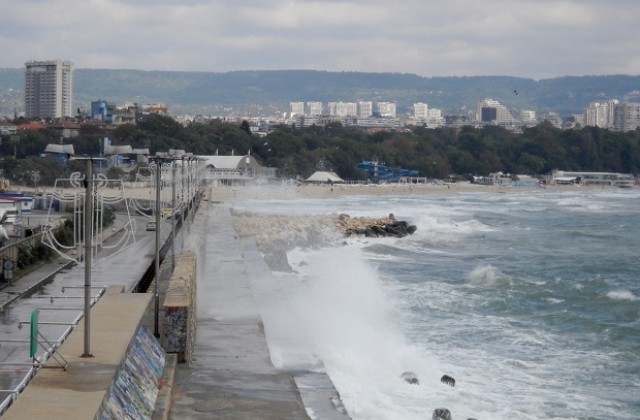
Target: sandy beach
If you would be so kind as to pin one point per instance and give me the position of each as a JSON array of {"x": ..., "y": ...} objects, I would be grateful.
[{"x": 273, "y": 191}]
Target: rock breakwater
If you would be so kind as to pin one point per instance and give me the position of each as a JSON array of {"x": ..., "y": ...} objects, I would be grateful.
[{"x": 277, "y": 234}]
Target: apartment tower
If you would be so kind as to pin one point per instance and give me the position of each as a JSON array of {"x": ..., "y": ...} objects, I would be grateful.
[{"x": 48, "y": 89}]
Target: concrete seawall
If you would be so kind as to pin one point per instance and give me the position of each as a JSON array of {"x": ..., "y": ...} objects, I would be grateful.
[{"x": 179, "y": 309}]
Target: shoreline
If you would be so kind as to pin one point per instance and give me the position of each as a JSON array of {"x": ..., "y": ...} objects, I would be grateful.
[{"x": 283, "y": 192}]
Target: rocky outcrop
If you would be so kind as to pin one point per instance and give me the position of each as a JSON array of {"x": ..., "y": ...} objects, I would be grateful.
[{"x": 371, "y": 228}]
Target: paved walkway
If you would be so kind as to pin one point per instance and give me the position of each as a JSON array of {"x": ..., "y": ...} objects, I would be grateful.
[
  {"x": 232, "y": 376},
  {"x": 31, "y": 281}
]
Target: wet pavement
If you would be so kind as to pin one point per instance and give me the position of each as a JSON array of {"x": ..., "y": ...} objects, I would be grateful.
[{"x": 232, "y": 375}]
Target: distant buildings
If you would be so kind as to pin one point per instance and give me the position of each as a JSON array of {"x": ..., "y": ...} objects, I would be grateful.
[
  {"x": 613, "y": 115},
  {"x": 48, "y": 89}
]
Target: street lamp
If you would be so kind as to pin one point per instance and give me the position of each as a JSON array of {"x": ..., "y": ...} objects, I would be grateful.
[{"x": 88, "y": 239}]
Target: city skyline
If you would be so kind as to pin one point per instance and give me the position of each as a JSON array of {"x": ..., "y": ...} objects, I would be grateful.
[{"x": 522, "y": 38}]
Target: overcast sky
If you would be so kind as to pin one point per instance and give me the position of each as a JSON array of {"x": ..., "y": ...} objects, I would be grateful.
[{"x": 525, "y": 38}]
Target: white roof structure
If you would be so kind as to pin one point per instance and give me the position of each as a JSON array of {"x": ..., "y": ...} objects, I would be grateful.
[
  {"x": 324, "y": 176},
  {"x": 118, "y": 150},
  {"x": 66, "y": 149},
  {"x": 223, "y": 162}
]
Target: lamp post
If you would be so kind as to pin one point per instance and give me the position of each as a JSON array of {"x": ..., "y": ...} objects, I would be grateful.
[
  {"x": 173, "y": 215},
  {"x": 88, "y": 238},
  {"x": 156, "y": 329}
]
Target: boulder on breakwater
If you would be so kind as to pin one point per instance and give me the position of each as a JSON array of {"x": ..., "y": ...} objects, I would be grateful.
[
  {"x": 441, "y": 414},
  {"x": 410, "y": 378},
  {"x": 372, "y": 228}
]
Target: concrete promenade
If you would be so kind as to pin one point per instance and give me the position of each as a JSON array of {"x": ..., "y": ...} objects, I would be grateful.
[{"x": 232, "y": 376}]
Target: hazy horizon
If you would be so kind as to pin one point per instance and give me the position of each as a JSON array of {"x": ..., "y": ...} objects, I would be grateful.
[
  {"x": 327, "y": 71},
  {"x": 532, "y": 39}
]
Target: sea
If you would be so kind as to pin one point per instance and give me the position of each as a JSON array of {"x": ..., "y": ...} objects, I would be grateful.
[{"x": 529, "y": 299}]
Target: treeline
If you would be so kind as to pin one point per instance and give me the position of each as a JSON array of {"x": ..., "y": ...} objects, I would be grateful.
[{"x": 435, "y": 153}]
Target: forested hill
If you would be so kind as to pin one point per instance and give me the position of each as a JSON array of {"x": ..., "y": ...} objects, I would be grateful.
[{"x": 264, "y": 92}]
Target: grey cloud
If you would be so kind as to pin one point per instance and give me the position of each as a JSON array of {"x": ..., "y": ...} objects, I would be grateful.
[{"x": 531, "y": 38}]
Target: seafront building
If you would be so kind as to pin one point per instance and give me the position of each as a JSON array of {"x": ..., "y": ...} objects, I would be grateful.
[{"x": 48, "y": 89}]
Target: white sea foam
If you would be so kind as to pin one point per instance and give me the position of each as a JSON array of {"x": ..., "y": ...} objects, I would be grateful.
[
  {"x": 622, "y": 295},
  {"x": 352, "y": 320},
  {"x": 485, "y": 275}
]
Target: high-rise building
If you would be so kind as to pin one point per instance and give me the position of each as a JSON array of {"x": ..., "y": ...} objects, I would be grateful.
[
  {"x": 297, "y": 108},
  {"x": 315, "y": 108},
  {"x": 626, "y": 116},
  {"x": 600, "y": 114},
  {"x": 386, "y": 109},
  {"x": 342, "y": 109},
  {"x": 420, "y": 111},
  {"x": 365, "y": 109},
  {"x": 48, "y": 89}
]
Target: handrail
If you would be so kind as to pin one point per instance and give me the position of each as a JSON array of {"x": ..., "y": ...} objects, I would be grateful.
[{"x": 41, "y": 360}]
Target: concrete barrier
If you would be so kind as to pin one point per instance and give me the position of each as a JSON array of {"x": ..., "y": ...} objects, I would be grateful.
[
  {"x": 133, "y": 392},
  {"x": 179, "y": 309}
]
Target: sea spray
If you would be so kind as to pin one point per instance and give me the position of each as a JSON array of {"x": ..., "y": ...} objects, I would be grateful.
[{"x": 353, "y": 321}]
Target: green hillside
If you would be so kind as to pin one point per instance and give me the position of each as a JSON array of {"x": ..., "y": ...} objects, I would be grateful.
[{"x": 269, "y": 92}]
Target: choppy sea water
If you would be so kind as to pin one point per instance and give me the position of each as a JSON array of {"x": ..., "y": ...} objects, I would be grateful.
[{"x": 529, "y": 299}]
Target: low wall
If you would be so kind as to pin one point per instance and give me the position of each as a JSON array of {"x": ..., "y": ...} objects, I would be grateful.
[
  {"x": 133, "y": 392},
  {"x": 179, "y": 309}
]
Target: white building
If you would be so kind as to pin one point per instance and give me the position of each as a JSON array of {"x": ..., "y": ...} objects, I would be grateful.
[
  {"x": 386, "y": 109},
  {"x": 626, "y": 116},
  {"x": 48, "y": 89},
  {"x": 420, "y": 111},
  {"x": 343, "y": 109},
  {"x": 365, "y": 109},
  {"x": 600, "y": 114},
  {"x": 297, "y": 108},
  {"x": 528, "y": 116},
  {"x": 314, "y": 108}
]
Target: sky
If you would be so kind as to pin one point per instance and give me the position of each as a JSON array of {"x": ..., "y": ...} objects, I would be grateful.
[{"x": 524, "y": 38}]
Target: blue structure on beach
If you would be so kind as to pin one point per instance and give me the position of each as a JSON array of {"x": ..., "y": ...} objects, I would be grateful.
[{"x": 377, "y": 171}]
